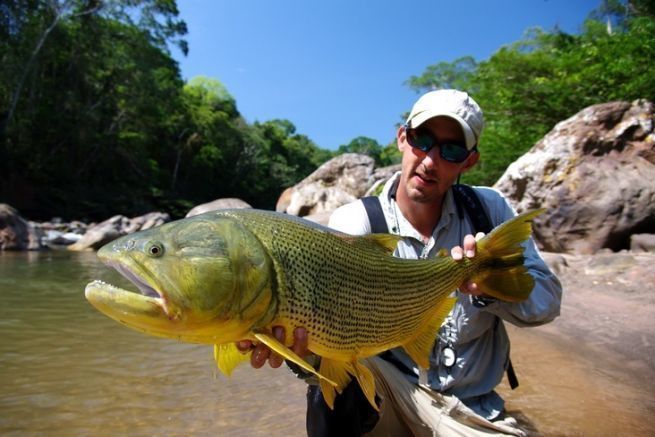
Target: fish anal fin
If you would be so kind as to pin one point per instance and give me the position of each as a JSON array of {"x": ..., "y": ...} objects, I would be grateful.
[
  {"x": 366, "y": 382},
  {"x": 290, "y": 355},
  {"x": 337, "y": 371},
  {"x": 419, "y": 347},
  {"x": 228, "y": 357}
]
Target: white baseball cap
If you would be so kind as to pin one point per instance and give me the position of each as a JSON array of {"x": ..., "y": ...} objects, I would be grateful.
[{"x": 455, "y": 104}]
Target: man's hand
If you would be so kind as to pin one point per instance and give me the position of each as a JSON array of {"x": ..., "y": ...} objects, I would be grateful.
[
  {"x": 261, "y": 352},
  {"x": 458, "y": 253}
]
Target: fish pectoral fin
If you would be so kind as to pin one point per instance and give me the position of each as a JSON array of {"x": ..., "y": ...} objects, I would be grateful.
[
  {"x": 419, "y": 347},
  {"x": 290, "y": 355},
  {"x": 366, "y": 382},
  {"x": 228, "y": 357},
  {"x": 337, "y": 371}
]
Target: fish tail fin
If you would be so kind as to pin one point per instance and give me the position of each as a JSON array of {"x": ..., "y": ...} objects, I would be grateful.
[
  {"x": 228, "y": 357},
  {"x": 502, "y": 274}
]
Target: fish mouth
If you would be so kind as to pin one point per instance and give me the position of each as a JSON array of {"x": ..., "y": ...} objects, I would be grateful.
[
  {"x": 146, "y": 310},
  {"x": 144, "y": 287}
]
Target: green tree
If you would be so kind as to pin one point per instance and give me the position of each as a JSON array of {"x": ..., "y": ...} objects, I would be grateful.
[{"x": 87, "y": 101}]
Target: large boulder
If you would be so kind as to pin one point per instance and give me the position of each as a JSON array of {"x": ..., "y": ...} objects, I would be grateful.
[
  {"x": 115, "y": 227},
  {"x": 340, "y": 180},
  {"x": 226, "y": 203},
  {"x": 594, "y": 175},
  {"x": 16, "y": 233}
]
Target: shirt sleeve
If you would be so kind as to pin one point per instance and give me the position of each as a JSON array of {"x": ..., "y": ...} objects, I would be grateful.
[
  {"x": 544, "y": 302},
  {"x": 350, "y": 219}
]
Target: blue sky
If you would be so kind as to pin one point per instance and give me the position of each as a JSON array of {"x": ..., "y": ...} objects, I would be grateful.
[{"x": 336, "y": 68}]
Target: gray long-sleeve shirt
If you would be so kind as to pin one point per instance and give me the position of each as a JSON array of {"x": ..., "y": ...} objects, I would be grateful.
[{"x": 477, "y": 336}]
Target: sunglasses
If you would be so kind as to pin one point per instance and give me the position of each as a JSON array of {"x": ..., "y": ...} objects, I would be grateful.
[{"x": 423, "y": 140}]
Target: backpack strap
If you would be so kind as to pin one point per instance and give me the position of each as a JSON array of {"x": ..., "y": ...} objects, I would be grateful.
[
  {"x": 468, "y": 201},
  {"x": 375, "y": 215}
]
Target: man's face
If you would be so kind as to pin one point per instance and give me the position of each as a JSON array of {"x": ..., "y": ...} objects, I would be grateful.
[{"x": 426, "y": 177}]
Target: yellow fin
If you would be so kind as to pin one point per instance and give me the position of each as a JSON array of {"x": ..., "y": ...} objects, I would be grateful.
[
  {"x": 385, "y": 242},
  {"x": 366, "y": 382},
  {"x": 228, "y": 357},
  {"x": 338, "y": 371},
  {"x": 288, "y": 354},
  {"x": 419, "y": 347},
  {"x": 502, "y": 273}
]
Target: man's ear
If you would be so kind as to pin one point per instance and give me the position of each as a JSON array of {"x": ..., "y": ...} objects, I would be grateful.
[
  {"x": 401, "y": 137},
  {"x": 471, "y": 161}
]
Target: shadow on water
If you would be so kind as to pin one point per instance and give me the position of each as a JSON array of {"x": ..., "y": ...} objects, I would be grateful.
[{"x": 67, "y": 369}]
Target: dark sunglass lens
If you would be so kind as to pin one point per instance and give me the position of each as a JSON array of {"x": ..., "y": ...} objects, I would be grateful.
[
  {"x": 453, "y": 152},
  {"x": 421, "y": 140}
]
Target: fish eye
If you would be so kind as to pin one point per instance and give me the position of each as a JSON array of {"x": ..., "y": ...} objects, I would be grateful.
[{"x": 155, "y": 249}]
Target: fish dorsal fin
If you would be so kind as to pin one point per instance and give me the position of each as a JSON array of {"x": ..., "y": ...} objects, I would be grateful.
[
  {"x": 419, "y": 347},
  {"x": 385, "y": 242},
  {"x": 228, "y": 357},
  {"x": 337, "y": 371},
  {"x": 290, "y": 355}
]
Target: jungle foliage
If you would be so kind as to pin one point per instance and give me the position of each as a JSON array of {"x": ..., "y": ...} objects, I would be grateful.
[{"x": 95, "y": 118}]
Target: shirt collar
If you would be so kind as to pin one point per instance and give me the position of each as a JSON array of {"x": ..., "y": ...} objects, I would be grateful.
[{"x": 406, "y": 228}]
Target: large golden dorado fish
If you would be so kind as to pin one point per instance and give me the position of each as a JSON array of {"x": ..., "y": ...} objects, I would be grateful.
[{"x": 231, "y": 275}]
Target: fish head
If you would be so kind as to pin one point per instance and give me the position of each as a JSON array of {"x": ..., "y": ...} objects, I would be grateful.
[{"x": 204, "y": 279}]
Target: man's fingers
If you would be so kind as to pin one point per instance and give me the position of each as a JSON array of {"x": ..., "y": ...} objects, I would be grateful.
[
  {"x": 469, "y": 287},
  {"x": 259, "y": 355},
  {"x": 244, "y": 345},
  {"x": 300, "y": 341},
  {"x": 275, "y": 360},
  {"x": 469, "y": 246},
  {"x": 457, "y": 253}
]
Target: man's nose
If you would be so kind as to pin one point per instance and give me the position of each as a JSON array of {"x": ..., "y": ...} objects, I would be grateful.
[{"x": 430, "y": 159}]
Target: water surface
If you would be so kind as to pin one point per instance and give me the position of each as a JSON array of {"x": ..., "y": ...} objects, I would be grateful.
[{"x": 67, "y": 369}]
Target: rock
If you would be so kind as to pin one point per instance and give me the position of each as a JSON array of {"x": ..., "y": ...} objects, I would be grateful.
[
  {"x": 16, "y": 233},
  {"x": 115, "y": 227},
  {"x": 340, "y": 180},
  {"x": 593, "y": 173},
  {"x": 55, "y": 239},
  {"x": 284, "y": 200},
  {"x": 642, "y": 243},
  {"x": 381, "y": 176},
  {"x": 227, "y": 203},
  {"x": 322, "y": 218},
  {"x": 557, "y": 262}
]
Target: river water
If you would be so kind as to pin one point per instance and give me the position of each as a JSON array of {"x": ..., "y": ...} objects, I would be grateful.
[{"x": 66, "y": 369}]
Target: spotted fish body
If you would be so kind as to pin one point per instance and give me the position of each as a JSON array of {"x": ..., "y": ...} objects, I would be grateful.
[
  {"x": 230, "y": 275},
  {"x": 353, "y": 298}
]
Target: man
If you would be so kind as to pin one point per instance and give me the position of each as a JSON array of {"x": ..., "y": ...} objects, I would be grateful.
[{"x": 439, "y": 143}]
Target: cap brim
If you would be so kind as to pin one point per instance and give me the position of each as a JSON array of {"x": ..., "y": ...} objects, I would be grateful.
[{"x": 424, "y": 116}]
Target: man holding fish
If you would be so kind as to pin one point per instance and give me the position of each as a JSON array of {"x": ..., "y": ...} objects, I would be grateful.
[{"x": 439, "y": 142}]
